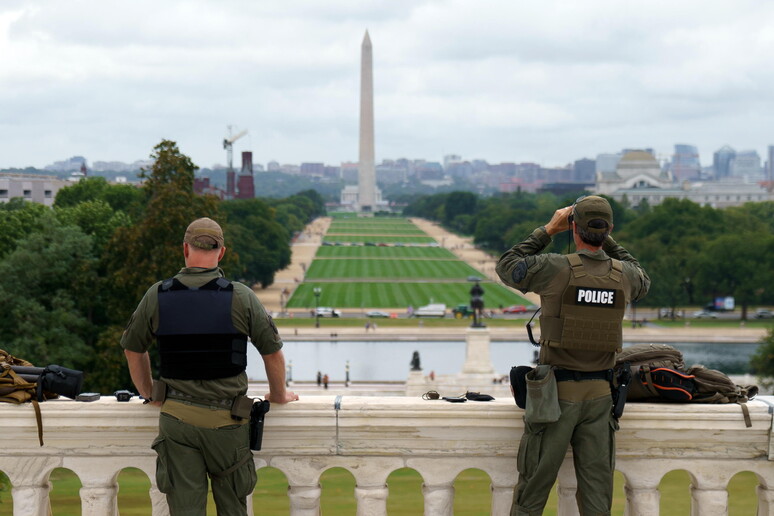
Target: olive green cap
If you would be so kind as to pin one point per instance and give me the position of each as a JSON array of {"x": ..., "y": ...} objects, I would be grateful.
[
  {"x": 590, "y": 208},
  {"x": 204, "y": 233}
]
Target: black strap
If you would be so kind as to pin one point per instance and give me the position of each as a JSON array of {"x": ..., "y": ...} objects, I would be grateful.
[
  {"x": 566, "y": 375},
  {"x": 529, "y": 329}
]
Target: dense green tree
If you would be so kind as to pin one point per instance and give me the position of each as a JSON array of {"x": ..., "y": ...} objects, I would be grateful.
[
  {"x": 151, "y": 248},
  {"x": 45, "y": 296},
  {"x": 259, "y": 240},
  {"x": 19, "y": 219},
  {"x": 732, "y": 265},
  {"x": 762, "y": 362}
]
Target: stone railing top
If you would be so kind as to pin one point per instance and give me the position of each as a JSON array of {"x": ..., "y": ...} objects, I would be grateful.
[{"x": 388, "y": 426}]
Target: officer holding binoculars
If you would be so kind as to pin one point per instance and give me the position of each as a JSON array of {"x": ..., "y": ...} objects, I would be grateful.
[{"x": 583, "y": 299}]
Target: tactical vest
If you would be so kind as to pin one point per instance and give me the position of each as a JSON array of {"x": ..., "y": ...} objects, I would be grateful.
[
  {"x": 196, "y": 337},
  {"x": 591, "y": 311}
]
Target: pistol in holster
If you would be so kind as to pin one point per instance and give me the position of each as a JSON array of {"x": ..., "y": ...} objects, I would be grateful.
[
  {"x": 257, "y": 415},
  {"x": 623, "y": 377}
]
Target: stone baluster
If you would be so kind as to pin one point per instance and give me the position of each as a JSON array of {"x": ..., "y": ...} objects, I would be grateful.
[
  {"x": 502, "y": 499},
  {"x": 765, "y": 501},
  {"x": 30, "y": 484},
  {"x": 99, "y": 498},
  {"x": 371, "y": 500},
  {"x": 709, "y": 498},
  {"x": 159, "y": 505},
  {"x": 566, "y": 504},
  {"x": 305, "y": 500},
  {"x": 641, "y": 500},
  {"x": 30, "y": 500},
  {"x": 439, "y": 499}
]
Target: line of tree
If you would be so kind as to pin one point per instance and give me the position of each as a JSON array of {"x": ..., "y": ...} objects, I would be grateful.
[
  {"x": 692, "y": 253},
  {"x": 71, "y": 274}
]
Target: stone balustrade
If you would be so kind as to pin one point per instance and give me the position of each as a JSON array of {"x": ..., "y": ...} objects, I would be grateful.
[{"x": 374, "y": 436}]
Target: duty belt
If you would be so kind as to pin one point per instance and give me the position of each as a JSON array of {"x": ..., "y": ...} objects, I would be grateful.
[
  {"x": 566, "y": 375},
  {"x": 218, "y": 404}
]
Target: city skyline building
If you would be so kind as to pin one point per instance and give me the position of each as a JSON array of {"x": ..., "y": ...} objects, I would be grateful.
[
  {"x": 686, "y": 165},
  {"x": 721, "y": 161}
]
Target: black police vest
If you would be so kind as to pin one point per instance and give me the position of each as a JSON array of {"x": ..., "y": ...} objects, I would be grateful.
[{"x": 196, "y": 337}]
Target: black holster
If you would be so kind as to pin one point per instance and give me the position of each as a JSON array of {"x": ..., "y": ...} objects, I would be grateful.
[
  {"x": 619, "y": 389},
  {"x": 257, "y": 415}
]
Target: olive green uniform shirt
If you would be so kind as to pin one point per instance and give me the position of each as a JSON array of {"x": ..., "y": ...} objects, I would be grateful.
[
  {"x": 248, "y": 316},
  {"x": 524, "y": 268}
]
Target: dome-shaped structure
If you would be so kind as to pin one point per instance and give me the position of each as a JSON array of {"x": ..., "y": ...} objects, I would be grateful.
[{"x": 638, "y": 162}]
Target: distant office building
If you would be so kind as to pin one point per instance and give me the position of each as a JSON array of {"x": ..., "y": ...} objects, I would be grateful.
[
  {"x": 607, "y": 163},
  {"x": 30, "y": 187},
  {"x": 313, "y": 169},
  {"x": 273, "y": 166},
  {"x": 685, "y": 163},
  {"x": 451, "y": 159},
  {"x": 770, "y": 164},
  {"x": 584, "y": 170},
  {"x": 349, "y": 172},
  {"x": 721, "y": 161},
  {"x": 746, "y": 164},
  {"x": 389, "y": 172},
  {"x": 73, "y": 164}
]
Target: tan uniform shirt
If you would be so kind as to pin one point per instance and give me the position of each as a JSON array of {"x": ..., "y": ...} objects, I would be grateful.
[{"x": 248, "y": 316}]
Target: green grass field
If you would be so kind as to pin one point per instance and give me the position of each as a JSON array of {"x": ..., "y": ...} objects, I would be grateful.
[
  {"x": 391, "y": 269},
  {"x": 387, "y": 239},
  {"x": 398, "y": 295},
  {"x": 384, "y": 252},
  {"x": 472, "y": 494}
]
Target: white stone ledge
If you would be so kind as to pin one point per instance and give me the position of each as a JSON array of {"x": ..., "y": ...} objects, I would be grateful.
[{"x": 373, "y": 436}]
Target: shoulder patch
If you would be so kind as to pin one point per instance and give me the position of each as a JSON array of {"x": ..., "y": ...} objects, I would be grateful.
[
  {"x": 271, "y": 323},
  {"x": 520, "y": 272}
]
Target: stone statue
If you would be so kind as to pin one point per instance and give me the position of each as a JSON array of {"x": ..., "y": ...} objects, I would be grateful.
[
  {"x": 477, "y": 304},
  {"x": 415, "y": 362}
]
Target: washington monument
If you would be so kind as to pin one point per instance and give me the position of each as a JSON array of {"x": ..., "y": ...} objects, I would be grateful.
[{"x": 366, "y": 179}]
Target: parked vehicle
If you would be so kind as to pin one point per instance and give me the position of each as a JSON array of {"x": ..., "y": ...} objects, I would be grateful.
[
  {"x": 326, "y": 311},
  {"x": 763, "y": 313},
  {"x": 515, "y": 309},
  {"x": 462, "y": 311},
  {"x": 704, "y": 314},
  {"x": 431, "y": 310},
  {"x": 377, "y": 314}
]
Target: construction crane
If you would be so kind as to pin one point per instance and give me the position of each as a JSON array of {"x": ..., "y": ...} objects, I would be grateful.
[{"x": 228, "y": 144}]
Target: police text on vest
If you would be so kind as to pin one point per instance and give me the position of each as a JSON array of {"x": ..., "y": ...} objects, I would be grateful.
[{"x": 595, "y": 296}]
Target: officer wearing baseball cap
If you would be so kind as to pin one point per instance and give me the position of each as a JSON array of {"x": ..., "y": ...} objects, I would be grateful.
[
  {"x": 583, "y": 299},
  {"x": 201, "y": 323}
]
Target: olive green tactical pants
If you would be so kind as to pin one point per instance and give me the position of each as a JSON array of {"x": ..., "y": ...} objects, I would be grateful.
[
  {"x": 187, "y": 453},
  {"x": 590, "y": 428}
]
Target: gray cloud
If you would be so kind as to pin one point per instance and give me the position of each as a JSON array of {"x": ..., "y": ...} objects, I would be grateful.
[{"x": 501, "y": 80}]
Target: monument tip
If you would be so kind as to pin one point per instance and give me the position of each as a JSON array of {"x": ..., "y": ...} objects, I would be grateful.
[{"x": 366, "y": 39}]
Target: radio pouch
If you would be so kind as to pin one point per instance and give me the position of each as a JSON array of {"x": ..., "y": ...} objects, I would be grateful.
[{"x": 542, "y": 396}]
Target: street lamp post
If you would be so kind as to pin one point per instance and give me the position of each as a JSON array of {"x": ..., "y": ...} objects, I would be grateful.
[
  {"x": 317, "y": 291},
  {"x": 346, "y": 375}
]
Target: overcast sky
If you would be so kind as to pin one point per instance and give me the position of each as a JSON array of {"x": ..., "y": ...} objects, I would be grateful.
[{"x": 501, "y": 80}]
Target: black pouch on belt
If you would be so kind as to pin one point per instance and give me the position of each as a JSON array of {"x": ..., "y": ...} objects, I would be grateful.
[{"x": 519, "y": 384}]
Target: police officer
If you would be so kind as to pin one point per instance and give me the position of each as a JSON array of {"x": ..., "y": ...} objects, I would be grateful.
[
  {"x": 201, "y": 323},
  {"x": 583, "y": 297}
]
